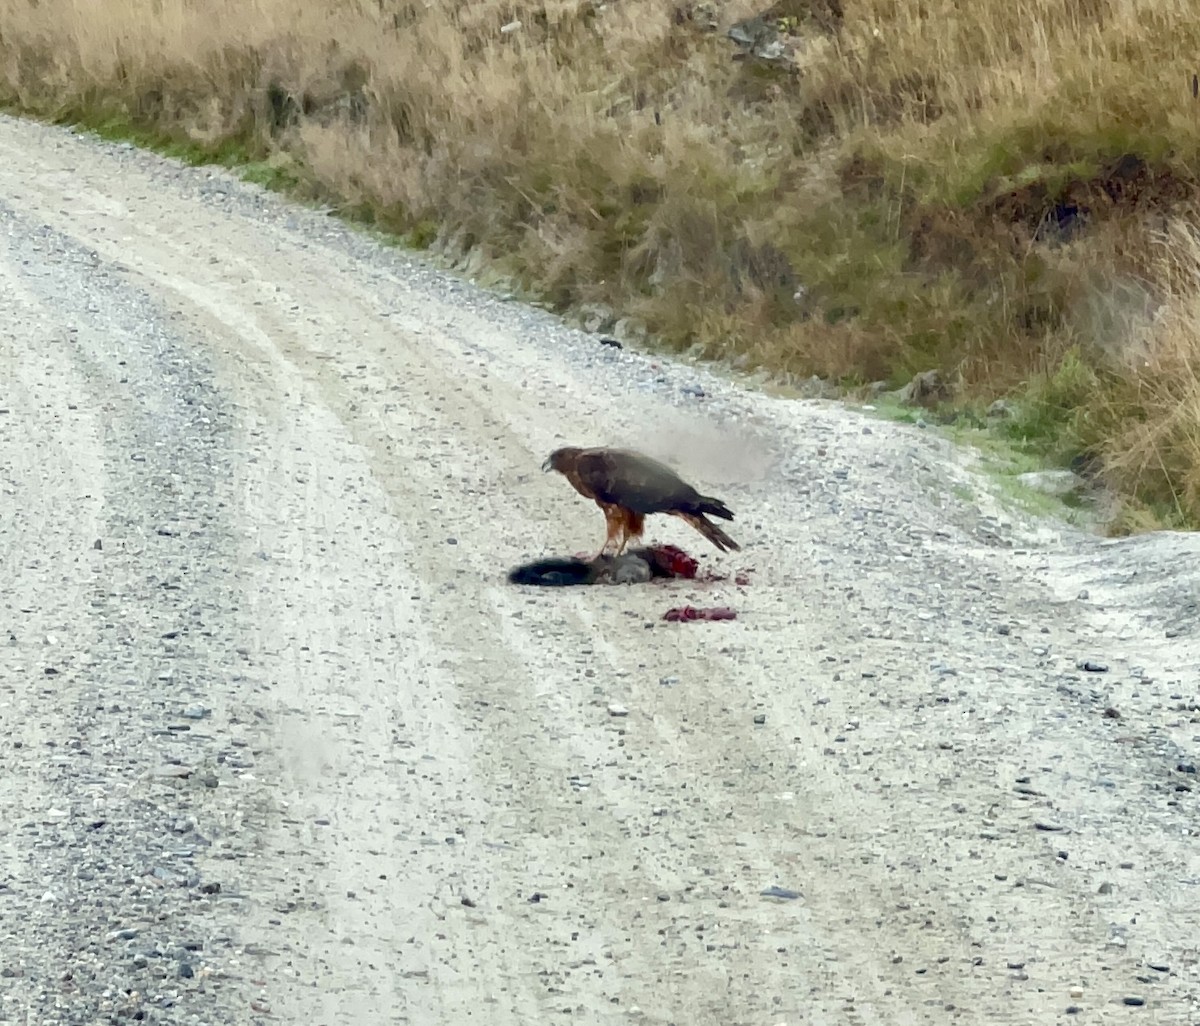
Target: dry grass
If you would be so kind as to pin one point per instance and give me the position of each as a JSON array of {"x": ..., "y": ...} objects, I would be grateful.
[
  {"x": 1147, "y": 431},
  {"x": 985, "y": 188}
]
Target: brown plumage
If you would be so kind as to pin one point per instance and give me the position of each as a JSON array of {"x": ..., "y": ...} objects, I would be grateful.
[{"x": 628, "y": 487}]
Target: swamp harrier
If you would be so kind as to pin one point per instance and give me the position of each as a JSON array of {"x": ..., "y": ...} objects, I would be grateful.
[{"x": 628, "y": 487}]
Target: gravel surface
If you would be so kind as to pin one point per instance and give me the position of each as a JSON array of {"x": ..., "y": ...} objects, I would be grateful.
[{"x": 280, "y": 744}]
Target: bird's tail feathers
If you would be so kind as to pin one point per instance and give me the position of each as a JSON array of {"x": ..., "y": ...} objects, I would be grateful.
[
  {"x": 714, "y": 508},
  {"x": 711, "y": 531}
]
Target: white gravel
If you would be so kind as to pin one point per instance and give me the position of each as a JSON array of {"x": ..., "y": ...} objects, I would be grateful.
[{"x": 281, "y": 745}]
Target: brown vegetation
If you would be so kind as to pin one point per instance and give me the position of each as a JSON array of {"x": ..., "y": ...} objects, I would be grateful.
[{"x": 1003, "y": 190}]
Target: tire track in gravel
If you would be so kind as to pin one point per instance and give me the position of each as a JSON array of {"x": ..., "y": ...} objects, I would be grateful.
[{"x": 117, "y": 445}]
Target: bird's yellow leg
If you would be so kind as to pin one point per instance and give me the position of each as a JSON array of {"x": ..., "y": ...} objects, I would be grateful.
[{"x": 612, "y": 520}]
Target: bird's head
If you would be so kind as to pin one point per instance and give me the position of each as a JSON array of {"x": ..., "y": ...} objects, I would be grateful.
[{"x": 561, "y": 459}]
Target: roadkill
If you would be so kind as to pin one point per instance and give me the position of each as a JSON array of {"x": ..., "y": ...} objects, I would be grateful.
[{"x": 637, "y": 566}]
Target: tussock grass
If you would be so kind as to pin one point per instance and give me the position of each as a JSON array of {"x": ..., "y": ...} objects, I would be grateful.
[
  {"x": 1146, "y": 428},
  {"x": 1003, "y": 190}
]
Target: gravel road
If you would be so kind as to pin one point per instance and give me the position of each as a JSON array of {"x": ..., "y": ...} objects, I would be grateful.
[{"x": 280, "y": 744}]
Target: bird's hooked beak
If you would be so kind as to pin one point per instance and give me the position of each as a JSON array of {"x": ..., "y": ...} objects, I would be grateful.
[{"x": 547, "y": 464}]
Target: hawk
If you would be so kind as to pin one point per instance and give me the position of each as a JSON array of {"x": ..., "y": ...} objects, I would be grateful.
[{"x": 628, "y": 487}]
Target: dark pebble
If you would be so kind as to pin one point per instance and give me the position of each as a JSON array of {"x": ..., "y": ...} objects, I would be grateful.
[
  {"x": 760, "y": 719},
  {"x": 1073, "y": 1009},
  {"x": 467, "y": 902},
  {"x": 1159, "y": 967},
  {"x": 98, "y": 544},
  {"x": 1111, "y": 714},
  {"x": 1136, "y": 1002},
  {"x": 612, "y": 342},
  {"x": 536, "y": 897},
  {"x": 186, "y": 970},
  {"x": 1093, "y": 667},
  {"x": 1052, "y": 828},
  {"x": 780, "y": 892},
  {"x": 1186, "y": 767}
]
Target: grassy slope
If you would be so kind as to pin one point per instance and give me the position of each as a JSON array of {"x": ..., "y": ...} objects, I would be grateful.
[{"x": 1006, "y": 195}]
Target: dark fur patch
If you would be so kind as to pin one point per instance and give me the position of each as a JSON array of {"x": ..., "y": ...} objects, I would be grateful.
[{"x": 553, "y": 573}]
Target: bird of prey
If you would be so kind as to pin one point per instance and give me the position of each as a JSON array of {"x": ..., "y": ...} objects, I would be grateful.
[{"x": 628, "y": 487}]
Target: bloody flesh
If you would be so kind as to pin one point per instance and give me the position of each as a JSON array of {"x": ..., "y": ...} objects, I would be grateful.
[{"x": 687, "y": 614}]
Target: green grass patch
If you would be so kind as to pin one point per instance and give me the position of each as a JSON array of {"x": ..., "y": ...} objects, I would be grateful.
[
  {"x": 1039, "y": 431},
  {"x": 120, "y": 127},
  {"x": 279, "y": 173}
]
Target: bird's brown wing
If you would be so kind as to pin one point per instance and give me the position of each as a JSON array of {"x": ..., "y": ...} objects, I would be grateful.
[{"x": 636, "y": 482}]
